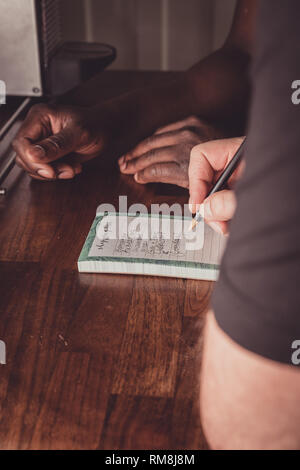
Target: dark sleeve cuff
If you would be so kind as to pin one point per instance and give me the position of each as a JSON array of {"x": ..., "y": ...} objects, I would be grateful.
[{"x": 245, "y": 324}]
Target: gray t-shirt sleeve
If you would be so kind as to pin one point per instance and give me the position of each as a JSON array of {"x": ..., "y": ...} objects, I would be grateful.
[{"x": 257, "y": 298}]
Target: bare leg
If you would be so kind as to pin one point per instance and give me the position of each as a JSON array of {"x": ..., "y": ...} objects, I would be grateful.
[{"x": 246, "y": 401}]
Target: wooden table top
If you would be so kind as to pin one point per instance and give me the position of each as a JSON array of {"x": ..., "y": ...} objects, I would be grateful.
[{"x": 94, "y": 361}]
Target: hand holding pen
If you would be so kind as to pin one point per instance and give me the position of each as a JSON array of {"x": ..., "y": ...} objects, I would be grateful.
[{"x": 213, "y": 165}]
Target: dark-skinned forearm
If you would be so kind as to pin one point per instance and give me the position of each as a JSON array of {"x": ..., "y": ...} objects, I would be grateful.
[
  {"x": 221, "y": 87},
  {"x": 217, "y": 89}
]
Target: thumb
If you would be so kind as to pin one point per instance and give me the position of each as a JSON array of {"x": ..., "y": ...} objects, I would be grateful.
[
  {"x": 219, "y": 206},
  {"x": 55, "y": 146}
]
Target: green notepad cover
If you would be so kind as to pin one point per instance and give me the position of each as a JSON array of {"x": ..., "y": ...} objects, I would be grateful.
[{"x": 92, "y": 234}]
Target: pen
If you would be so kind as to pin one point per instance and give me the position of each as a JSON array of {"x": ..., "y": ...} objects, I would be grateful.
[{"x": 222, "y": 180}]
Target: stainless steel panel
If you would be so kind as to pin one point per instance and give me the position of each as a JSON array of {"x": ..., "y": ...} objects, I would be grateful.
[{"x": 19, "y": 48}]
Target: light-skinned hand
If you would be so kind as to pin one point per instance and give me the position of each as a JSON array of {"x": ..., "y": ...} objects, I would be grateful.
[{"x": 207, "y": 162}]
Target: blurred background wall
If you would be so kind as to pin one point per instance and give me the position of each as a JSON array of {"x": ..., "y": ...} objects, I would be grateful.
[{"x": 150, "y": 34}]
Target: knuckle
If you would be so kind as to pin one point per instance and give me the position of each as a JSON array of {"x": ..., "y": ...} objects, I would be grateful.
[
  {"x": 177, "y": 154},
  {"x": 151, "y": 153},
  {"x": 184, "y": 167},
  {"x": 186, "y": 134},
  {"x": 161, "y": 171},
  {"x": 192, "y": 130},
  {"x": 197, "y": 136},
  {"x": 61, "y": 140},
  {"x": 194, "y": 120},
  {"x": 55, "y": 141},
  {"x": 152, "y": 173},
  {"x": 165, "y": 170},
  {"x": 155, "y": 171}
]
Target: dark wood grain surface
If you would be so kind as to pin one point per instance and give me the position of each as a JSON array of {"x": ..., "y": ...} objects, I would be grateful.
[{"x": 94, "y": 361}]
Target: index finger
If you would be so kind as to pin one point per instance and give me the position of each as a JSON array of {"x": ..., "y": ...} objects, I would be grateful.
[{"x": 206, "y": 160}]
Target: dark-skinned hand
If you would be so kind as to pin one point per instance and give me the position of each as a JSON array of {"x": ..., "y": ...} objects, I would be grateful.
[
  {"x": 164, "y": 157},
  {"x": 54, "y": 141}
]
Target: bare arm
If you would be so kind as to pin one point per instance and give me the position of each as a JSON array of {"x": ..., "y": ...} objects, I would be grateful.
[
  {"x": 209, "y": 102},
  {"x": 216, "y": 89},
  {"x": 247, "y": 401}
]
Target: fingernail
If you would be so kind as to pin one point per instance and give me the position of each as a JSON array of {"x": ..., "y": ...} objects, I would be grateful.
[
  {"x": 136, "y": 177},
  {"x": 64, "y": 175},
  {"x": 121, "y": 160},
  {"x": 207, "y": 213},
  {"x": 44, "y": 173},
  {"x": 216, "y": 227},
  {"x": 38, "y": 151}
]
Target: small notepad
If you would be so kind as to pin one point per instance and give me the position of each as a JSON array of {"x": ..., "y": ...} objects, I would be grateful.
[{"x": 155, "y": 245}]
